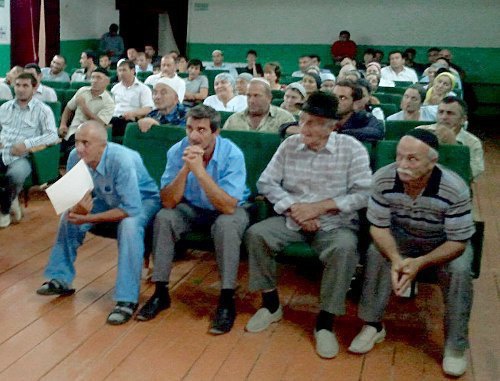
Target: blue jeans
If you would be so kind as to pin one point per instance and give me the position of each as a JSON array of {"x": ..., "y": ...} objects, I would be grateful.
[
  {"x": 130, "y": 250},
  {"x": 15, "y": 175}
]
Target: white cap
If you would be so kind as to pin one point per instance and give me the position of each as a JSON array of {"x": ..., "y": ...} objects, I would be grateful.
[{"x": 174, "y": 85}]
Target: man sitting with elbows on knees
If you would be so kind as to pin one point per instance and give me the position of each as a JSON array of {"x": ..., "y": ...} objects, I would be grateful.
[
  {"x": 421, "y": 217},
  {"x": 124, "y": 194},
  {"x": 317, "y": 181},
  {"x": 203, "y": 186}
]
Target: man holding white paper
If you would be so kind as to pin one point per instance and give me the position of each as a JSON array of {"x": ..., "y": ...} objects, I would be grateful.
[{"x": 124, "y": 193}]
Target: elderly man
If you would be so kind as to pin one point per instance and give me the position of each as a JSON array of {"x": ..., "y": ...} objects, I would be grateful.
[
  {"x": 168, "y": 71},
  {"x": 304, "y": 63},
  {"x": 124, "y": 195},
  {"x": 203, "y": 186},
  {"x": 397, "y": 71},
  {"x": 260, "y": 115},
  {"x": 42, "y": 93},
  {"x": 421, "y": 218},
  {"x": 143, "y": 63},
  {"x": 219, "y": 64},
  {"x": 343, "y": 47},
  {"x": 317, "y": 181},
  {"x": 88, "y": 60},
  {"x": 359, "y": 124},
  {"x": 168, "y": 109},
  {"x": 411, "y": 106},
  {"x": 451, "y": 116},
  {"x": 25, "y": 123},
  {"x": 133, "y": 99},
  {"x": 89, "y": 103},
  {"x": 56, "y": 70}
]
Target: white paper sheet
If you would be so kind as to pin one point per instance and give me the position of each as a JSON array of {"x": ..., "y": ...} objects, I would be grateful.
[{"x": 70, "y": 189}]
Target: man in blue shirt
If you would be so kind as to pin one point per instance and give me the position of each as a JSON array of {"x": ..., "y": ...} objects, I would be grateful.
[
  {"x": 124, "y": 194},
  {"x": 203, "y": 186}
]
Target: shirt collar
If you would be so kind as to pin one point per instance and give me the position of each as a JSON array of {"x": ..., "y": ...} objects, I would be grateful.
[
  {"x": 101, "y": 167},
  {"x": 329, "y": 144},
  {"x": 432, "y": 187}
]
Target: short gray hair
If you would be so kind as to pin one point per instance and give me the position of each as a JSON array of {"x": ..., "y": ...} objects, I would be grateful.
[{"x": 226, "y": 77}]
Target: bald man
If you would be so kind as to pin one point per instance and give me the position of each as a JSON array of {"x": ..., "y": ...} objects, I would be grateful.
[{"x": 125, "y": 196}]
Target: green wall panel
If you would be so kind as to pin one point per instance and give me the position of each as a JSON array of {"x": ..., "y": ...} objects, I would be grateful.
[
  {"x": 72, "y": 50},
  {"x": 4, "y": 59}
]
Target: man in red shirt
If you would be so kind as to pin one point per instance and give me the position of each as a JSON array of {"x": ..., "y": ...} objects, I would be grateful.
[{"x": 344, "y": 47}]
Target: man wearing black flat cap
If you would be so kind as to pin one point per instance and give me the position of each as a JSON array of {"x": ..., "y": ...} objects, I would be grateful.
[
  {"x": 317, "y": 181},
  {"x": 421, "y": 219}
]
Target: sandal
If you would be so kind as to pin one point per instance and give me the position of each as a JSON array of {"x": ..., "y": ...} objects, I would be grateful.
[
  {"x": 122, "y": 313},
  {"x": 55, "y": 287}
]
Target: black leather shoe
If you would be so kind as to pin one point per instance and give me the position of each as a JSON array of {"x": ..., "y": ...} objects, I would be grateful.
[
  {"x": 223, "y": 320},
  {"x": 153, "y": 306}
]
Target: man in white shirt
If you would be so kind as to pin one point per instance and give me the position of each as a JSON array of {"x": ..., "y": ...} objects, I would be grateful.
[
  {"x": 143, "y": 63},
  {"x": 411, "y": 106},
  {"x": 397, "y": 71},
  {"x": 88, "y": 60},
  {"x": 304, "y": 63},
  {"x": 55, "y": 72},
  {"x": 133, "y": 99},
  {"x": 42, "y": 93},
  {"x": 219, "y": 64},
  {"x": 168, "y": 70}
]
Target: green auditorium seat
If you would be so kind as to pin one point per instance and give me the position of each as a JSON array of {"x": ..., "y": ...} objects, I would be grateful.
[
  {"x": 277, "y": 101},
  {"x": 56, "y": 108},
  {"x": 391, "y": 90},
  {"x": 403, "y": 83},
  {"x": 395, "y": 99},
  {"x": 278, "y": 94},
  {"x": 56, "y": 84},
  {"x": 387, "y": 108},
  {"x": 395, "y": 129},
  {"x": 77, "y": 84},
  {"x": 143, "y": 75},
  {"x": 224, "y": 115}
]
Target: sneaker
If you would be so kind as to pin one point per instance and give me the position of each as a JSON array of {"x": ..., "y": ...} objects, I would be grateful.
[
  {"x": 4, "y": 220},
  {"x": 454, "y": 362},
  {"x": 327, "y": 346},
  {"x": 262, "y": 319},
  {"x": 366, "y": 339},
  {"x": 16, "y": 211},
  {"x": 223, "y": 320}
]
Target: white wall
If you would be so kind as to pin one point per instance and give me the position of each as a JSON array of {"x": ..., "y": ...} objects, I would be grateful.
[
  {"x": 461, "y": 23},
  {"x": 88, "y": 19},
  {"x": 5, "y": 23}
]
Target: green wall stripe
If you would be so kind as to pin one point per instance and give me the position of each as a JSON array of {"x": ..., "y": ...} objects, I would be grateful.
[
  {"x": 4, "y": 59},
  {"x": 73, "y": 48}
]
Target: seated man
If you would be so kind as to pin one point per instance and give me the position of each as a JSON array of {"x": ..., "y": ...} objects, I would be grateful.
[
  {"x": 143, "y": 63},
  {"x": 132, "y": 55},
  {"x": 203, "y": 186},
  {"x": 451, "y": 117},
  {"x": 25, "y": 123},
  {"x": 362, "y": 125},
  {"x": 167, "y": 110},
  {"x": 260, "y": 115},
  {"x": 55, "y": 72},
  {"x": 12, "y": 74},
  {"x": 397, "y": 71},
  {"x": 196, "y": 84},
  {"x": 304, "y": 63},
  {"x": 343, "y": 47},
  {"x": 104, "y": 61},
  {"x": 88, "y": 60},
  {"x": 219, "y": 64},
  {"x": 42, "y": 93},
  {"x": 421, "y": 218},
  {"x": 133, "y": 99},
  {"x": 89, "y": 103},
  {"x": 112, "y": 43},
  {"x": 411, "y": 106},
  {"x": 124, "y": 194},
  {"x": 317, "y": 181},
  {"x": 168, "y": 71}
]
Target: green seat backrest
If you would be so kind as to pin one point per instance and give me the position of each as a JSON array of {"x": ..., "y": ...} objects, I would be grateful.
[
  {"x": 395, "y": 99},
  {"x": 287, "y": 79},
  {"x": 143, "y": 75},
  {"x": 391, "y": 90},
  {"x": 183, "y": 75},
  {"x": 403, "y": 83},
  {"x": 153, "y": 145},
  {"x": 258, "y": 148},
  {"x": 396, "y": 129},
  {"x": 277, "y": 102},
  {"x": 278, "y": 94},
  {"x": 211, "y": 74},
  {"x": 223, "y": 116},
  {"x": 77, "y": 84},
  {"x": 387, "y": 108},
  {"x": 454, "y": 157},
  {"x": 56, "y": 84},
  {"x": 45, "y": 164},
  {"x": 56, "y": 108}
]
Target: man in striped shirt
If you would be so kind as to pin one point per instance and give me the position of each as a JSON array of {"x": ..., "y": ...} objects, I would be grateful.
[
  {"x": 421, "y": 218},
  {"x": 317, "y": 180},
  {"x": 25, "y": 123}
]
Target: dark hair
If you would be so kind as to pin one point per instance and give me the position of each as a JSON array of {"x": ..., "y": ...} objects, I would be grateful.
[
  {"x": 356, "y": 93},
  {"x": 128, "y": 63},
  {"x": 91, "y": 54},
  {"x": 433, "y": 49},
  {"x": 251, "y": 51},
  {"x": 316, "y": 77},
  {"x": 394, "y": 52},
  {"x": 29, "y": 76},
  {"x": 195, "y": 62},
  {"x": 205, "y": 112},
  {"x": 33, "y": 66},
  {"x": 420, "y": 89},
  {"x": 179, "y": 58},
  {"x": 315, "y": 56},
  {"x": 369, "y": 51},
  {"x": 275, "y": 66},
  {"x": 410, "y": 50},
  {"x": 104, "y": 54},
  {"x": 156, "y": 65},
  {"x": 378, "y": 51},
  {"x": 345, "y": 32},
  {"x": 454, "y": 99},
  {"x": 362, "y": 82},
  {"x": 113, "y": 28},
  {"x": 442, "y": 70}
]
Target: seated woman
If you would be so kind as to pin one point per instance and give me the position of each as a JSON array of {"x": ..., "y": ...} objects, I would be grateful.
[
  {"x": 375, "y": 68},
  {"x": 295, "y": 96},
  {"x": 442, "y": 86},
  {"x": 272, "y": 72},
  {"x": 225, "y": 98},
  {"x": 253, "y": 67},
  {"x": 327, "y": 82},
  {"x": 196, "y": 84},
  {"x": 311, "y": 82},
  {"x": 374, "y": 80}
]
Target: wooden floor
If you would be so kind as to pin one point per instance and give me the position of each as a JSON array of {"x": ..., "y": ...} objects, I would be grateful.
[{"x": 67, "y": 338}]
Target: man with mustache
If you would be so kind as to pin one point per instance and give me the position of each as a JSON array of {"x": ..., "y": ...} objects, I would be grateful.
[
  {"x": 203, "y": 186},
  {"x": 421, "y": 219}
]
